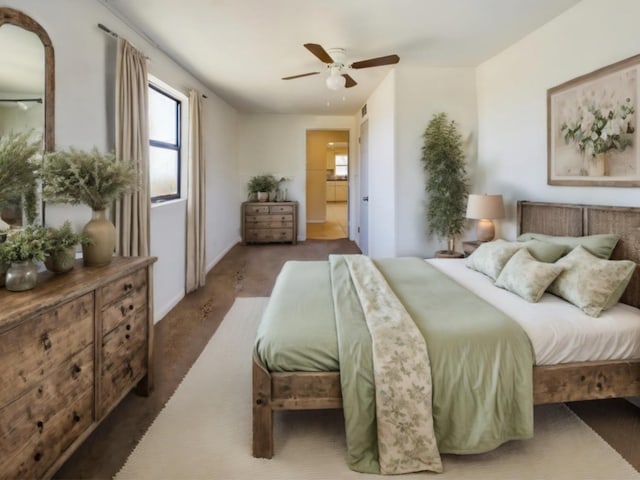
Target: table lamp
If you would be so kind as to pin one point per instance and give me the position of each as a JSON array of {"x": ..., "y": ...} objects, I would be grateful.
[{"x": 485, "y": 208}]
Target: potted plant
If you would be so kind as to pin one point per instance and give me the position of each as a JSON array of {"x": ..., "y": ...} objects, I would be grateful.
[
  {"x": 19, "y": 251},
  {"x": 62, "y": 241},
  {"x": 260, "y": 186},
  {"x": 18, "y": 152},
  {"x": 447, "y": 184},
  {"x": 92, "y": 178}
]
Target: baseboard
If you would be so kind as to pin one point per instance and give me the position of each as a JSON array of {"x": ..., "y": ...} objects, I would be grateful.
[
  {"x": 160, "y": 314},
  {"x": 222, "y": 254}
]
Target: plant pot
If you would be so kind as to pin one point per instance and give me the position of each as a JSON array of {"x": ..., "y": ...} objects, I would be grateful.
[
  {"x": 61, "y": 261},
  {"x": 103, "y": 240},
  {"x": 21, "y": 276},
  {"x": 262, "y": 196}
]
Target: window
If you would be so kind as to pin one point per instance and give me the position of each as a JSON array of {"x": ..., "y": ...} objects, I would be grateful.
[
  {"x": 342, "y": 165},
  {"x": 164, "y": 145}
]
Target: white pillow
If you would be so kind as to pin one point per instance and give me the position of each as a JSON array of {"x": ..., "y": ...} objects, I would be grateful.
[
  {"x": 491, "y": 257},
  {"x": 591, "y": 283},
  {"x": 527, "y": 277}
]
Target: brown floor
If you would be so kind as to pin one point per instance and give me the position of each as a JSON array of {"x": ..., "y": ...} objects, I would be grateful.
[{"x": 249, "y": 271}]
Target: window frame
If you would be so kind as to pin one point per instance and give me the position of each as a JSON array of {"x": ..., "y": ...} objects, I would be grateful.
[{"x": 177, "y": 147}]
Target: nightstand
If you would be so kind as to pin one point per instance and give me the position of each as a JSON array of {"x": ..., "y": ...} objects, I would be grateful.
[{"x": 470, "y": 246}]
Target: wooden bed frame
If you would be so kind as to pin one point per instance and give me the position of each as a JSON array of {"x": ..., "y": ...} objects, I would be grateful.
[{"x": 551, "y": 384}]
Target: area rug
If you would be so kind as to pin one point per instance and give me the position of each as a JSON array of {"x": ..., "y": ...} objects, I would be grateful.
[{"x": 204, "y": 431}]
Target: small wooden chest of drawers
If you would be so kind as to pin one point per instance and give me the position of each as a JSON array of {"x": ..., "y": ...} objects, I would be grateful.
[
  {"x": 70, "y": 350},
  {"x": 267, "y": 222}
]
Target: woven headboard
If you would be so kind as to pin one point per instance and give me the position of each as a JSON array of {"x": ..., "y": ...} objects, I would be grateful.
[{"x": 577, "y": 220}]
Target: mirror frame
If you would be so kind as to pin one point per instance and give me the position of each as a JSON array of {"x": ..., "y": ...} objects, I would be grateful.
[{"x": 15, "y": 17}]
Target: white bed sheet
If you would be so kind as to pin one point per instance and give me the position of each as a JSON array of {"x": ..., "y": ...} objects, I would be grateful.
[{"x": 559, "y": 332}]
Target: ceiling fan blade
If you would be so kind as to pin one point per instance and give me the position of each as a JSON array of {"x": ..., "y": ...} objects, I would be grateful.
[
  {"x": 376, "y": 62},
  {"x": 350, "y": 82},
  {"x": 319, "y": 52},
  {"x": 300, "y": 76}
]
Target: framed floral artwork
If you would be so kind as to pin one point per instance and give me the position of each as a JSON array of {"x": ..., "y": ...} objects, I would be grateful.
[{"x": 592, "y": 128}]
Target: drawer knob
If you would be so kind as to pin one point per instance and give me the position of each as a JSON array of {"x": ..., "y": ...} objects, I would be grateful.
[
  {"x": 128, "y": 327},
  {"x": 75, "y": 371},
  {"x": 76, "y": 417},
  {"x": 46, "y": 341},
  {"x": 127, "y": 336},
  {"x": 128, "y": 286},
  {"x": 37, "y": 457},
  {"x": 40, "y": 425}
]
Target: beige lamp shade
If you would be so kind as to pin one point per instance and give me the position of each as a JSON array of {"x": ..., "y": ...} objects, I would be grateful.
[{"x": 485, "y": 208}]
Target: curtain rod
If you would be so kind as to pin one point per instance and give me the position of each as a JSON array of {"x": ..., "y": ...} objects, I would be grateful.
[
  {"x": 38, "y": 100},
  {"x": 115, "y": 35}
]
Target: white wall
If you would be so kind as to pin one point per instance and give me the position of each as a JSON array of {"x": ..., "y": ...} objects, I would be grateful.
[
  {"x": 85, "y": 57},
  {"x": 512, "y": 88},
  {"x": 421, "y": 93},
  {"x": 277, "y": 144}
]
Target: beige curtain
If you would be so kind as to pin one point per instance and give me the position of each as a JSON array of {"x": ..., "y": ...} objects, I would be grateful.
[
  {"x": 195, "y": 273},
  {"x": 132, "y": 143}
]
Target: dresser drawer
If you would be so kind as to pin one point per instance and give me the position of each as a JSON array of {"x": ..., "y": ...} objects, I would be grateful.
[
  {"x": 281, "y": 209},
  {"x": 31, "y": 351},
  {"x": 270, "y": 235},
  {"x": 49, "y": 417},
  {"x": 124, "y": 286},
  {"x": 124, "y": 359},
  {"x": 255, "y": 209},
  {"x": 276, "y": 223},
  {"x": 124, "y": 309}
]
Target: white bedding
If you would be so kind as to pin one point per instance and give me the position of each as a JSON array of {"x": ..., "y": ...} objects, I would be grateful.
[{"x": 559, "y": 332}]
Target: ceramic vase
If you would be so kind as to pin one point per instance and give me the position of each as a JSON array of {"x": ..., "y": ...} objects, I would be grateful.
[
  {"x": 263, "y": 196},
  {"x": 21, "y": 276},
  {"x": 61, "y": 261},
  {"x": 103, "y": 240}
]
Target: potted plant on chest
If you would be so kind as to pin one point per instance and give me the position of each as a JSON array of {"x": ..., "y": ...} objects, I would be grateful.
[
  {"x": 62, "y": 247},
  {"x": 19, "y": 252},
  {"x": 91, "y": 178},
  {"x": 261, "y": 186},
  {"x": 447, "y": 185}
]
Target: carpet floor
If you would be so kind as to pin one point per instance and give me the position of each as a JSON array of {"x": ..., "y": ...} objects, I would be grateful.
[
  {"x": 250, "y": 271},
  {"x": 204, "y": 432}
]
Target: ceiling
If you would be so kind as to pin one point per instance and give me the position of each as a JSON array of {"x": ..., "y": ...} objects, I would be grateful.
[{"x": 241, "y": 49}]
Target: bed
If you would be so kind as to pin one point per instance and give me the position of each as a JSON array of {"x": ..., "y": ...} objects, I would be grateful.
[{"x": 551, "y": 383}]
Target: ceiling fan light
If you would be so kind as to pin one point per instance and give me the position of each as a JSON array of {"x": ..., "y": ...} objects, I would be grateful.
[{"x": 335, "y": 81}]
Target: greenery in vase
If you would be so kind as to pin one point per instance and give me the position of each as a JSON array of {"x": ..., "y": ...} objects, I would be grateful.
[
  {"x": 599, "y": 125},
  {"x": 30, "y": 243},
  {"x": 263, "y": 183},
  {"x": 447, "y": 185},
  {"x": 65, "y": 237},
  {"x": 18, "y": 166},
  {"x": 90, "y": 177}
]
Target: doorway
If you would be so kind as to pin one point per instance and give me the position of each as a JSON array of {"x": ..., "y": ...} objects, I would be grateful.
[{"x": 327, "y": 184}]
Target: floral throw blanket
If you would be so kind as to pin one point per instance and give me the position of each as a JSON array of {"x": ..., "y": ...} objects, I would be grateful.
[{"x": 398, "y": 436}]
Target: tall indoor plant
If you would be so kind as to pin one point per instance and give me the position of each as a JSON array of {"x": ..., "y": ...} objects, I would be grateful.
[
  {"x": 91, "y": 178},
  {"x": 447, "y": 185}
]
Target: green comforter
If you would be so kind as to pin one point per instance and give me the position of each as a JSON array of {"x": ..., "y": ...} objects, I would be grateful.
[{"x": 481, "y": 361}]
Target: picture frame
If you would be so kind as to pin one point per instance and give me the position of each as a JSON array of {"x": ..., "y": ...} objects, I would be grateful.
[{"x": 593, "y": 134}]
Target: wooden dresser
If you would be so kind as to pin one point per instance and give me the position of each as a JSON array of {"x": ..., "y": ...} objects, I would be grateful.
[
  {"x": 70, "y": 350},
  {"x": 267, "y": 222}
]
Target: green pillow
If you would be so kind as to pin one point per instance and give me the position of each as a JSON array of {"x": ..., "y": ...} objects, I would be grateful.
[
  {"x": 601, "y": 245},
  {"x": 591, "y": 283},
  {"x": 490, "y": 257},
  {"x": 546, "y": 251},
  {"x": 527, "y": 277}
]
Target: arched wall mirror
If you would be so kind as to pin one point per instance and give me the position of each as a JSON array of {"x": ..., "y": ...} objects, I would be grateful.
[{"x": 27, "y": 85}]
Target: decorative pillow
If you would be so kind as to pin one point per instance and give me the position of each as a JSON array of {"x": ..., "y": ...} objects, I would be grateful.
[
  {"x": 489, "y": 258},
  {"x": 527, "y": 277},
  {"x": 546, "y": 251},
  {"x": 601, "y": 245},
  {"x": 591, "y": 283}
]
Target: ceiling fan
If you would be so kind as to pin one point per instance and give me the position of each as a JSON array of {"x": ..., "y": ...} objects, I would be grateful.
[{"x": 335, "y": 60}]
